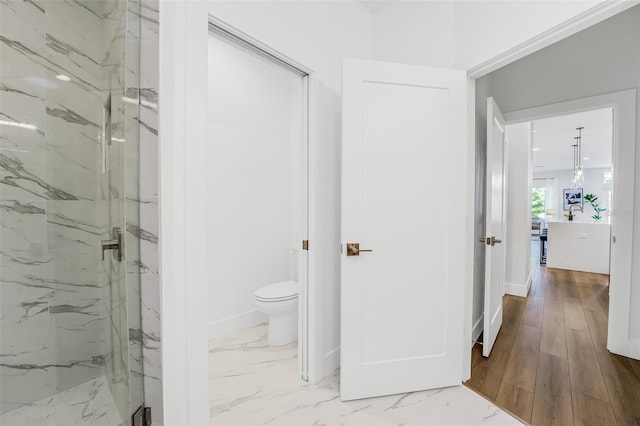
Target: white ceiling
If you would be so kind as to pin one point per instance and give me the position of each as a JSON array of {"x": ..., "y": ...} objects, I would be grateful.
[{"x": 553, "y": 137}]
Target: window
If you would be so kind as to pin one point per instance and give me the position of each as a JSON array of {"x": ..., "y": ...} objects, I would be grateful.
[{"x": 537, "y": 202}]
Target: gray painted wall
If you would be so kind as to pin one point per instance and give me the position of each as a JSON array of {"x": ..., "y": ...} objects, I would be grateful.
[{"x": 601, "y": 59}]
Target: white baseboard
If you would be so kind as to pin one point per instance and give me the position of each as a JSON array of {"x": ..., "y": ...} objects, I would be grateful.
[
  {"x": 330, "y": 362},
  {"x": 634, "y": 349},
  {"x": 628, "y": 347},
  {"x": 521, "y": 290},
  {"x": 477, "y": 329},
  {"x": 235, "y": 322}
]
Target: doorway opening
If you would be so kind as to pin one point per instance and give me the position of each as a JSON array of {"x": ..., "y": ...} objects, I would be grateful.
[
  {"x": 560, "y": 179},
  {"x": 555, "y": 356},
  {"x": 257, "y": 203}
]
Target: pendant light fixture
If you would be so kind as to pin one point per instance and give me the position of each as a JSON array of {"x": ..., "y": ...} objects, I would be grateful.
[
  {"x": 574, "y": 181},
  {"x": 579, "y": 173}
]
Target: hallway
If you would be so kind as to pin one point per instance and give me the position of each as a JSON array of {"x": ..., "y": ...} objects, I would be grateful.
[{"x": 550, "y": 364}]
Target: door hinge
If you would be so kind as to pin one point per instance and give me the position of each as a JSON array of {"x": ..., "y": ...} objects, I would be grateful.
[
  {"x": 142, "y": 417},
  {"x": 147, "y": 416},
  {"x": 305, "y": 244}
]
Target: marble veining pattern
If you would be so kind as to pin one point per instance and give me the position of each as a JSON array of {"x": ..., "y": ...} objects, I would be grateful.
[
  {"x": 148, "y": 207},
  {"x": 90, "y": 403},
  {"x": 151, "y": 345},
  {"x": 64, "y": 311},
  {"x": 252, "y": 383},
  {"x": 67, "y": 316},
  {"x": 16, "y": 175}
]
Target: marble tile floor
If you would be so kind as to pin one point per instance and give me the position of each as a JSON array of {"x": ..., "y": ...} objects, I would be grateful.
[
  {"x": 90, "y": 403},
  {"x": 253, "y": 384}
]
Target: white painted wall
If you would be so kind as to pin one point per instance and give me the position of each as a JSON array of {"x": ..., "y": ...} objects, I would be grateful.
[
  {"x": 253, "y": 198},
  {"x": 317, "y": 34},
  {"x": 593, "y": 184},
  {"x": 485, "y": 29},
  {"x": 415, "y": 32},
  {"x": 518, "y": 259},
  {"x": 463, "y": 34}
]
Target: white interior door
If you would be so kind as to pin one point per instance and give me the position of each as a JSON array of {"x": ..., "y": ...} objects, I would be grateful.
[
  {"x": 495, "y": 227},
  {"x": 404, "y": 197}
]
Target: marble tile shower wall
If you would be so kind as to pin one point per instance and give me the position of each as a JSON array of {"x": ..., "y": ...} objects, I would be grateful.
[{"x": 63, "y": 311}]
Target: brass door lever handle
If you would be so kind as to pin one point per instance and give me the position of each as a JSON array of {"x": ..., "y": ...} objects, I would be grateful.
[
  {"x": 491, "y": 241},
  {"x": 353, "y": 249}
]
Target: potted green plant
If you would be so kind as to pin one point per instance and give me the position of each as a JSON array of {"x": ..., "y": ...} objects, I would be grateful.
[{"x": 593, "y": 200}]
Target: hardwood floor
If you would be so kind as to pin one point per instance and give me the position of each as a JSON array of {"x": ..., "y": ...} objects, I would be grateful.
[{"x": 550, "y": 364}]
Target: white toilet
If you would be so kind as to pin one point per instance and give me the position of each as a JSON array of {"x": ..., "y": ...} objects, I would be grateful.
[{"x": 280, "y": 302}]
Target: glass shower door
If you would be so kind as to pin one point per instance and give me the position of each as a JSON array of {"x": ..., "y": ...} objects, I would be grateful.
[{"x": 70, "y": 340}]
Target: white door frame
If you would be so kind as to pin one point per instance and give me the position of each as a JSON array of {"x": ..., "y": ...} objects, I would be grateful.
[
  {"x": 184, "y": 37},
  {"x": 624, "y": 129},
  {"x": 242, "y": 40}
]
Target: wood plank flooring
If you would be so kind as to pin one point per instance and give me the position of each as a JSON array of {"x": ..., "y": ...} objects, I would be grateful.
[{"x": 550, "y": 364}]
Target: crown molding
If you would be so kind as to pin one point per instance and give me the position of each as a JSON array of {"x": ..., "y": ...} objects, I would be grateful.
[{"x": 590, "y": 17}]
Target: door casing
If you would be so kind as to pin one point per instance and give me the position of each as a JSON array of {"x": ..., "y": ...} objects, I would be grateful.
[{"x": 222, "y": 29}]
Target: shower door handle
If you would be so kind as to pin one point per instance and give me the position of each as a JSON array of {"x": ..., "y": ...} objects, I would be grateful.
[{"x": 115, "y": 244}]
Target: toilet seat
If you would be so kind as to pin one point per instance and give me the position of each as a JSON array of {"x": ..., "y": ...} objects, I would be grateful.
[{"x": 277, "y": 292}]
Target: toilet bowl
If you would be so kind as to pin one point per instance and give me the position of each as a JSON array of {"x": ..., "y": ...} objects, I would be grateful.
[{"x": 280, "y": 302}]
